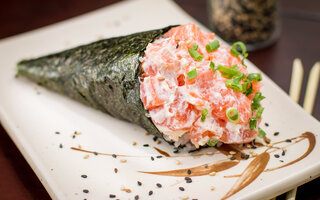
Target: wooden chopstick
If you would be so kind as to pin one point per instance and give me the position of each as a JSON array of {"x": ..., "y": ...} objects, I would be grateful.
[
  {"x": 312, "y": 86},
  {"x": 296, "y": 80}
]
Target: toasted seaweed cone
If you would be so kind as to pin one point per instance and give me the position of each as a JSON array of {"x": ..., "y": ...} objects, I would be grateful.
[{"x": 103, "y": 74}]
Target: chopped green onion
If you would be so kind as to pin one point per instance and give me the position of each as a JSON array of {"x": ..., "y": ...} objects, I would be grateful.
[
  {"x": 212, "y": 66},
  {"x": 233, "y": 115},
  {"x": 261, "y": 133},
  {"x": 231, "y": 83},
  {"x": 245, "y": 90},
  {"x": 234, "y": 83},
  {"x": 254, "y": 77},
  {"x": 256, "y": 101},
  {"x": 229, "y": 72},
  {"x": 234, "y": 50},
  {"x": 192, "y": 74},
  {"x": 204, "y": 114},
  {"x": 212, "y": 144},
  {"x": 213, "y": 46},
  {"x": 194, "y": 53},
  {"x": 253, "y": 123},
  {"x": 259, "y": 112}
]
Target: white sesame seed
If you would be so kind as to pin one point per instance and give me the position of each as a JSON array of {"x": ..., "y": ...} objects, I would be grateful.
[
  {"x": 123, "y": 160},
  {"x": 212, "y": 173}
]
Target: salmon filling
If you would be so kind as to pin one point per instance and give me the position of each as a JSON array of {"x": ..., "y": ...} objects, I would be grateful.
[{"x": 176, "y": 98}]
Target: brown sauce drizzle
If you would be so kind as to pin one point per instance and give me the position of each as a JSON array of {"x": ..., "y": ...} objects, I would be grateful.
[
  {"x": 312, "y": 141},
  {"x": 198, "y": 170},
  {"x": 307, "y": 135},
  {"x": 253, "y": 170},
  {"x": 162, "y": 152}
]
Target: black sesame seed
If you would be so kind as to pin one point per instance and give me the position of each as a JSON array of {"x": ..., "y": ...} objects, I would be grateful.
[
  {"x": 253, "y": 147},
  {"x": 177, "y": 45},
  {"x": 181, "y": 188},
  {"x": 152, "y": 158},
  {"x": 283, "y": 153},
  {"x": 243, "y": 156},
  {"x": 139, "y": 183},
  {"x": 266, "y": 124},
  {"x": 74, "y": 136},
  {"x": 232, "y": 158},
  {"x": 187, "y": 178},
  {"x": 95, "y": 153},
  {"x": 159, "y": 185},
  {"x": 276, "y": 133},
  {"x": 189, "y": 171},
  {"x": 114, "y": 155},
  {"x": 247, "y": 156},
  {"x": 155, "y": 138},
  {"x": 176, "y": 151},
  {"x": 146, "y": 145},
  {"x": 85, "y": 191},
  {"x": 136, "y": 197},
  {"x": 150, "y": 192},
  {"x": 112, "y": 196},
  {"x": 281, "y": 160},
  {"x": 60, "y": 146},
  {"x": 288, "y": 140},
  {"x": 276, "y": 155},
  {"x": 57, "y": 132},
  {"x": 159, "y": 156},
  {"x": 84, "y": 176}
]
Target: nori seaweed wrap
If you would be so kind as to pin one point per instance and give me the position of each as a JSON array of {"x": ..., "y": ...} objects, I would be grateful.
[
  {"x": 103, "y": 74},
  {"x": 178, "y": 83}
]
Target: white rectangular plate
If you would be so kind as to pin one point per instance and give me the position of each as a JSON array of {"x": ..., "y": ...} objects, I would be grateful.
[{"x": 32, "y": 115}]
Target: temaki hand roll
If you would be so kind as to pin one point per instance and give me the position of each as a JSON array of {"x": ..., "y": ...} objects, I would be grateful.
[{"x": 177, "y": 82}]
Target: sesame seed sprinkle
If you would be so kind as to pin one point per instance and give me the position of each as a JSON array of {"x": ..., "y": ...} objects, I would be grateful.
[
  {"x": 276, "y": 156},
  {"x": 276, "y": 134},
  {"x": 159, "y": 185},
  {"x": 85, "y": 191},
  {"x": 181, "y": 188},
  {"x": 136, "y": 197},
  {"x": 189, "y": 171},
  {"x": 134, "y": 143},
  {"x": 123, "y": 160},
  {"x": 159, "y": 156},
  {"x": 266, "y": 124},
  {"x": 288, "y": 140},
  {"x": 152, "y": 158},
  {"x": 84, "y": 176},
  {"x": 112, "y": 196},
  {"x": 146, "y": 145},
  {"x": 212, "y": 188},
  {"x": 60, "y": 146},
  {"x": 114, "y": 155},
  {"x": 212, "y": 173},
  {"x": 150, "y": 192},
  {"x": 139, "y": 183}
]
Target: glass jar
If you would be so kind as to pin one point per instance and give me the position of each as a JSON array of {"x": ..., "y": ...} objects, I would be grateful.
[{"x": 254, "y": 22}]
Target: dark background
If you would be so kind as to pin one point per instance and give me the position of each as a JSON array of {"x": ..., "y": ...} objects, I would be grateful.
[{"x": 299, "y": 38}]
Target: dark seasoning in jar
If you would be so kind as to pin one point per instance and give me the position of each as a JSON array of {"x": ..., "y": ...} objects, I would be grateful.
[{"x": 254, "y": 22}]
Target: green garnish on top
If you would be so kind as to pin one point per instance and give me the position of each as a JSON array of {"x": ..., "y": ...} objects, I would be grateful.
[
  {"x": 212, "y": 144},
  {"x": 194, "y": 53},
  {"x": 234, "y": 50},
  {"x": 229, "y": 72},
  {"x": 233, "y": 115},
  {"x": 212, "y": 66},
  {"x": 212, "y": 46},
  {"x": 261, "y": 133},
  {"x": 204, "y": 114},
  {"x": 192, "y": 74}
]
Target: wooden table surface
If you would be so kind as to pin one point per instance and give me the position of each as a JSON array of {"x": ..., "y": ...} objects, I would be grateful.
[{"x": 299, "y": 39}]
